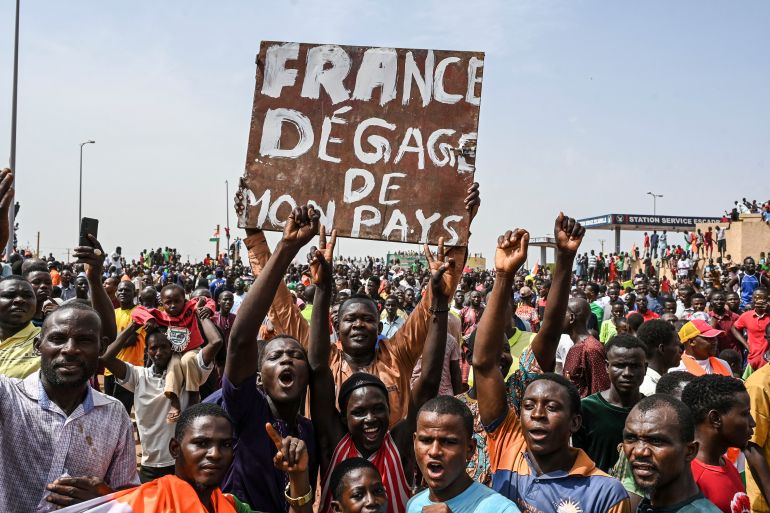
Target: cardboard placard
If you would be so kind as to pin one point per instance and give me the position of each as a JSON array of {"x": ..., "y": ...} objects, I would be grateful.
[{"x": 381, "y": 140}]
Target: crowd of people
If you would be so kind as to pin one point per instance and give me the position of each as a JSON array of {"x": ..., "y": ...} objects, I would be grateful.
[{"x": 297, "y": 381}]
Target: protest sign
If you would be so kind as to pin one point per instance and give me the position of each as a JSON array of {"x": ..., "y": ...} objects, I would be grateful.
[{"x": 381, "y": 140}]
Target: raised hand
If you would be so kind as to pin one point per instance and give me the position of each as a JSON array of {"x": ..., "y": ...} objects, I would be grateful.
[
  {"x": 441, "y": 282},
  {"x": 568, "y": 234},
  {"x": 6, "y": 198},
  {"x": 292, "y": 456},
  {"x": 203, "y": 312},
  {"x": 301, "y": 226},
  {"x": 511, "y": 250},
  {"x": 321, "y": 258},
  {"x": 92, "y": 257},
  {"x": 472, "y": 201}
]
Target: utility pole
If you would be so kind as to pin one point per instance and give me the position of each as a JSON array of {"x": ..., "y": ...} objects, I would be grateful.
[
  {"x": 216, "y": 255},
  {"x": 37, "y": 248},
  {"x": 601, "y": 241},
  {"x": 227, "y": 212}
]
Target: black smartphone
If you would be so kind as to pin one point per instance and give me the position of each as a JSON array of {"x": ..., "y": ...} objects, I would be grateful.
[{"x": 88, "y": 226}]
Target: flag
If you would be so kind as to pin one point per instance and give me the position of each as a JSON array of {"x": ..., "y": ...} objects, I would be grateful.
[
  {"x": 536, "y": 269},
  {"x": 215, "y": 236},
  {"x": 168, "y": 494}
]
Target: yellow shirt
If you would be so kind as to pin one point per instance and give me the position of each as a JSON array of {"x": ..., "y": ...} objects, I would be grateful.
[
  {"x": 132, "y": 354},
  {"x": 757, "y": 387},
  {"x": 18, "y": 358}
]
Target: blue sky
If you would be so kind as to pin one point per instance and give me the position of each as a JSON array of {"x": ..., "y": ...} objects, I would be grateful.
[{"x": 586, "y": 106}]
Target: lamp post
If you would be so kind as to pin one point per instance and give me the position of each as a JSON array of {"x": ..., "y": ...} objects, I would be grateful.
[
  {"x": 654, "y": 202},
  {"x": 80, "y": 193}
]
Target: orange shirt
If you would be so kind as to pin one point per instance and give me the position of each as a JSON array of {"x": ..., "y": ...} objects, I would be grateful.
[{"x": 394, "y": 359}]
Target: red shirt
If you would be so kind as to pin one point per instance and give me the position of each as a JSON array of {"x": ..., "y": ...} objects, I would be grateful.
[
  {"x": 755, "y": 328},
  {"x": 724, "y": 323},
  {"x": 648, "y": 315},
  {"x": 721, "y": 485},
  {"x": 586, "y": 366}
]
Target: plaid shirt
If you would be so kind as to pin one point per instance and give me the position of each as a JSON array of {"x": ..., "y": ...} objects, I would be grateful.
[{"x": 39, "y": 443}]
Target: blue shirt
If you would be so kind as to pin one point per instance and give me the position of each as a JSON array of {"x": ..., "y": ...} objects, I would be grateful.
[
  {"x": 748, "y": 284},
  {"x": 477, "y": 498}
]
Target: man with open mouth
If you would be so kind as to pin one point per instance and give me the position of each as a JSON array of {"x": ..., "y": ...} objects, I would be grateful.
[
  {"x": 659, "y": 442},
  {"x": 443, "y": 445},
  {"x": 531, "y": 460},
  {"x": 265, "y": 382}
]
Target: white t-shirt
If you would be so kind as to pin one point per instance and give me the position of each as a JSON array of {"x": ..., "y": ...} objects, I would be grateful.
[
  {"x": 650, "y": 382},
  {"x": 565, "y": 344},
  {"x": 151, "y": 406}
]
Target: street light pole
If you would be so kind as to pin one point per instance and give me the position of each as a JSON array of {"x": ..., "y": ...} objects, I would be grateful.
[
  {"x": 80, "y": 188},
  {"x": 654, "y": 202},
  {"x": 12, "y": 159}
]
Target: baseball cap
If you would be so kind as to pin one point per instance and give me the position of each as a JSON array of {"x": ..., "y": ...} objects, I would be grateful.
[
  {"x": 697, "y": 328},
  {"x": 525, "y": 291}
]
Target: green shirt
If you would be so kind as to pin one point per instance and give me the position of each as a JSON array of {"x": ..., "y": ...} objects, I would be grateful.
[{"x": 602, "y": 430}]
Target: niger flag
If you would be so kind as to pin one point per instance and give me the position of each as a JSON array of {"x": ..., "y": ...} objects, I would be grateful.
[{"x": 168, "y": 494}]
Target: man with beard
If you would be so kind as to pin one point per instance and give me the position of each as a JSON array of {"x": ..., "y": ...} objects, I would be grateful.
[
  {"x": 659, "y": 442},
  {"x": 53, "y": 425},
  {"x": 18, "y": 358},
  {"x": 265, "y": 382},
  {"x": 443, "y": 444}
]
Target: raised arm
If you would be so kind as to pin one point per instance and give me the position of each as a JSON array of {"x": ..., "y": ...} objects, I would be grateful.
[
  {"x": 243, "y": 350},
  {"x": 328, "y": 427},
  {"x": 427, "y": 385},
  {"x": 283, "y": 314},
  {"x": 6, "y": 199},
  {"x": 110, "y": 357},
  {"x": 489, "y": 381},
  {"x": 408, "y": 341},
  {"x": 93, "y": 258},
  {"x": 568, "y": 234},
  {"x": 321, "y": 275},
  {"x": 214, "y": 339}
]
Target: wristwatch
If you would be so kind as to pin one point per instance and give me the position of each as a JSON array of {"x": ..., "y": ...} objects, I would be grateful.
[{"x": 298, "y": 502}]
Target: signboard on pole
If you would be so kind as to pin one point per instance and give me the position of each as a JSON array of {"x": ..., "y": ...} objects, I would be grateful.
[{"x": 382, "y": 141}]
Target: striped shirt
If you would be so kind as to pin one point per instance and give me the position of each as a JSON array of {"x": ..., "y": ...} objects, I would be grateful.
[
  {"x": 387, "y": 459},
  {"x": 39, "y": 443}
]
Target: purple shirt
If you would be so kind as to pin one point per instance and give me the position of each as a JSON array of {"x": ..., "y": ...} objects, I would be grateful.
[{"x": 252, "y": 477}]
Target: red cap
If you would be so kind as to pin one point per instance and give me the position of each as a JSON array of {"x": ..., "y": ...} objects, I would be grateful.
[{"x": 696, "y": 328}]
